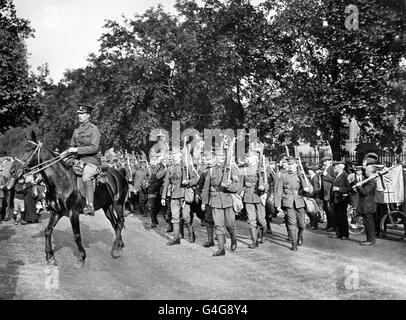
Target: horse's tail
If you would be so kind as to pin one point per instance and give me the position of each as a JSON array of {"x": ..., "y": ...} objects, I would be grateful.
[
  {"x": 123, "y": 172},
  {"x": 118, "y": 179}
]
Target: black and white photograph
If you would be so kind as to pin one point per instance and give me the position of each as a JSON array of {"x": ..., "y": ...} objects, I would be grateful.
[{"x": 202, "y": 154}]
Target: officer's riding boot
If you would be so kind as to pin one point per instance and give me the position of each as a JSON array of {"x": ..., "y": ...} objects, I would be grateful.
[
  {"x": 262, "y": 238},
  {"x": 176, "y": 237},
  {"x": 254, "y": 238},
  {"x": 293, "y": 236},
  {"x": 221, "y": 240},
  {"x": 300, "y": 237},
  {"x": 233, "y": 235},
  {"x": 191, "y": 232},
  {"x": 89, "y": 209},
  {"x": 210, "y": 241}
]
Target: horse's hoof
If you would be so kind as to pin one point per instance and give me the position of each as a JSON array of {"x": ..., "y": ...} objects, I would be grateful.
[
  {"x": 79, "y": 264},
  {"x": 51, "y": 261},
  {"x": 115, "y": 253}
]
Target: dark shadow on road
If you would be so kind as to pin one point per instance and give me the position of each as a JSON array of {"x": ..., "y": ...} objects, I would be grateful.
[
  {"x": 6, "y": 232},
  {"x": 8, "y": 279},
  {"x": 64, "y": 238}
]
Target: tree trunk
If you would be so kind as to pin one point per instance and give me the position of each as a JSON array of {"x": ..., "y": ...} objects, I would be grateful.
[{"x": 335, "y": 142}]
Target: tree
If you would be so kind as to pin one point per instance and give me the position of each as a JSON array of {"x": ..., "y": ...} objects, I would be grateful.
[
  {"x": 336, "y": 72},
  {"x": 18, "y": 104}
]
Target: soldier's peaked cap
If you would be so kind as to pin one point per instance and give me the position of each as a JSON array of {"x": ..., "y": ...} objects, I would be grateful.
[
  {"x": 327, "y": 158},
  {"x": 292, "y": 159},
  {"x": 339, "y": 162},
  {"x": 84, "y": 108}
]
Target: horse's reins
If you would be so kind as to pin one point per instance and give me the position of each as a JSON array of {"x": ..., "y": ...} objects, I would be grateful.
[{"x": 41, "y": 165}]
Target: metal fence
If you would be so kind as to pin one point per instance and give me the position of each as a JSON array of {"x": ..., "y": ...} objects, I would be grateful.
[{"x": 387, "y": 160}]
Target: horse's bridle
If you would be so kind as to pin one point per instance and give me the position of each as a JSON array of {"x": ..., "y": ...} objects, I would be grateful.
[{"x": 41, "y": 165}]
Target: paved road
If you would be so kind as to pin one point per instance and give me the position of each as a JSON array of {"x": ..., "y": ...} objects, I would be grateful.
[{"x": 323, "y": 268}]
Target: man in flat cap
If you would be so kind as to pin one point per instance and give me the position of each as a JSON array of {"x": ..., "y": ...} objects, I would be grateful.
[
  {"x": 85, "y": 144},
  {"x": 370, "y": 158},
  {"x": 340, "y": 199}
]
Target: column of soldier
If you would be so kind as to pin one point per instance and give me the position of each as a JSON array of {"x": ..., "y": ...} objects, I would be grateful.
[{"x": 216, "y": 189}]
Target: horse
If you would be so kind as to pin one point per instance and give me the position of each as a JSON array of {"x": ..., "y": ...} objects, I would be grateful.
[{"x": 64, "y": 197}]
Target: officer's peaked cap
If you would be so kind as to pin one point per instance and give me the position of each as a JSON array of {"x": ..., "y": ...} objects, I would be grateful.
[{"x": 84, "y": 108}]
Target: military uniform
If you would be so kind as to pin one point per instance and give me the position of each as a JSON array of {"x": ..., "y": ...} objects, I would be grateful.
[
  {"x": 251, "y": 181},
  {"x": 174, "y": 177},
  {"x": 208, "y": 214},
  {"x": 288, "y": 197},
  {"x": 221, "y": 201},
  {"x": 86, "y": 139}
]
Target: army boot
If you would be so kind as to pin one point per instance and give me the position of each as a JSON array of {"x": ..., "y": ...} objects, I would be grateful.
[
  {"x": 300, "y": 237},
  {"x": 293, "y": 236},
  {"x": 176, "y": 237},
  {"x": 191, "y": 232},
  {"x": 221, "y": 240},
  {"x": 210, "y": 241},
  {"x": 181, "y": 229},
  {"x": 262, "y": 237},
  {"x": 233, "y": 235},
  {"x": 254, "y": 238}
]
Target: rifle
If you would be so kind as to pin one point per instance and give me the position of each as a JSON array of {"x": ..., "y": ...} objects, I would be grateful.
[
  {"x": 261, "y": 165},
  {"x": 375, "y": 176},
  {"x": 227, "y": 164},
  {"x": 186, "y": 157},
  {"x": 309, "y": 185}
]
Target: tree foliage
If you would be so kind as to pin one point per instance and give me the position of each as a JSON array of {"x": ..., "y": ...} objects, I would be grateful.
[
  {"x": 18, "y": 104},
  {"x": 287, "y": 68}
]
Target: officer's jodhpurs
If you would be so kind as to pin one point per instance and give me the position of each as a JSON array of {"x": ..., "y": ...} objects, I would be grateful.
[{"x": 89, "y": 171}]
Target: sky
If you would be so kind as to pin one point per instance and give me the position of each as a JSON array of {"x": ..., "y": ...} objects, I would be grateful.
[{"x": 66, "y": 31}]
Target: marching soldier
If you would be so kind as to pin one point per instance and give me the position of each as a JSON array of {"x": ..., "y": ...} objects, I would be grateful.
[
  {"x": 288, "y": 198},
  {"x": 85, "y": 144},
  {"x": 217, "y": 194},
  {"x": 208, "y": 214},
  {"x": 270, "y": 201},
  {"x": 254, "y": 186},
  {"x": 283, "y": 164},
  {"x": 176, "y": 181}
]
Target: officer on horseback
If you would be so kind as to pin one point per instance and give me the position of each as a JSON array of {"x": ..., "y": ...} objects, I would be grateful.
[{"x": 85, "y": 144}]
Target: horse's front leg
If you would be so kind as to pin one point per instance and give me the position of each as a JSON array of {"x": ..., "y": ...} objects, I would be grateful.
[
  {"x": 49, "y": 253},
  {"x": 74, "y": 220},
  {"x": 117, "y": 226}
]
